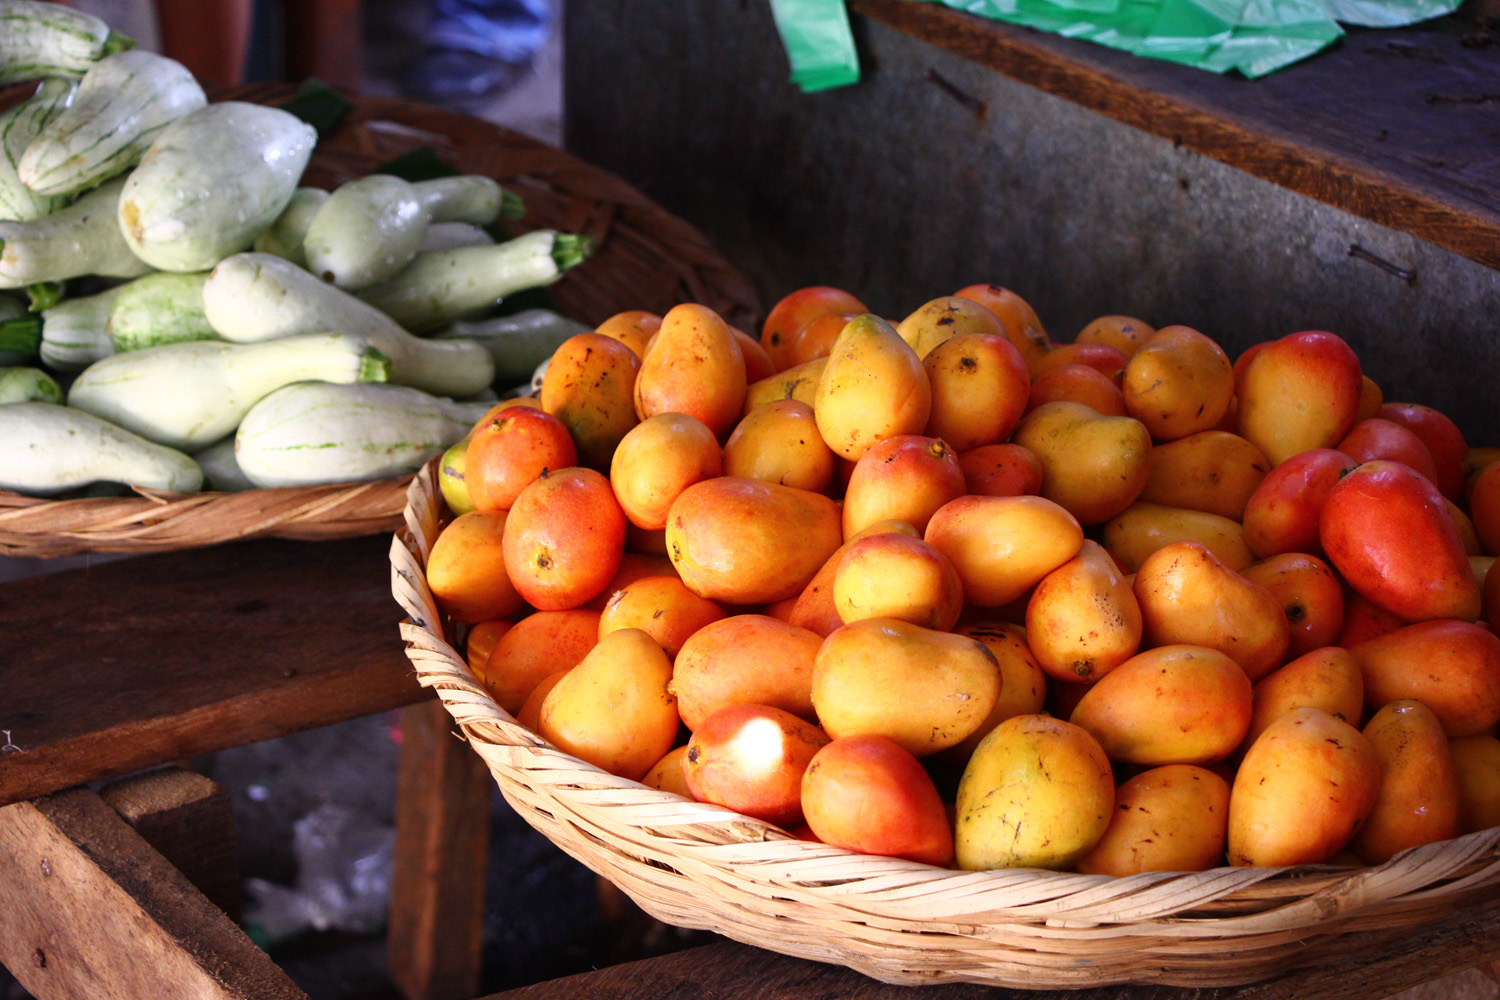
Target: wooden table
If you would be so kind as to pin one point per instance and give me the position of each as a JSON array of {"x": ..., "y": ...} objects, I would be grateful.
[{"x": 136, "y": 663}]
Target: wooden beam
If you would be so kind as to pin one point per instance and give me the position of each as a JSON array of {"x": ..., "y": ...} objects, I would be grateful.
[
  {"x": 442, "y": 846},
  {"x": 189, "y": 820},
  {"x": 732, "y": 971},
  {"x": 90, "y": 910}
]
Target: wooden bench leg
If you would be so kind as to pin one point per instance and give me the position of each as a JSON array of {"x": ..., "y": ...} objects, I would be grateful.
[
  {"x": 88, "y": 909},
  {"x": 434, "y": 937}
]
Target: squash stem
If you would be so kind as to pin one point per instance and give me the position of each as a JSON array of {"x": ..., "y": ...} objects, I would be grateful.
[
  {"x": 512, "y": 205},
  {"x": 116, "y": 42},
  {"x": 374, "y": 366},
  {"x": 571, "y": 249}
]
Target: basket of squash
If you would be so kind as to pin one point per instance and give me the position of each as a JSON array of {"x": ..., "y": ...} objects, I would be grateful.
[{"x": 242, "y": 316}]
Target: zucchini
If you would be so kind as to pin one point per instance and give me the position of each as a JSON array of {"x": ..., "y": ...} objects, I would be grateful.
[
  {"x": 20, "y": 331},
  {"x": 160, "y": 308},
  {"x": 47, "y": 39},
  {"x": 284, "y": 238},
  {"x": 253, "y": 296},
  {"x": 122, "y": 104},
  {"x": 212, "y": 182},
  {"x": 19, "y": 125},
  {"x": 71, "y": 242},
  {"x": 46, "y": 449},
  {"x": 439, "y": 287},
  {"x": 314, "y": 432},
  {"x": 451, "y": 235},
  {"x": 471, "y": 198},
  {"x": 221, "y": 471},
  {"x": 519, "y": 342},
  {"x": 366, "y": 231},
  {"x": 75, "y": 332},
  {"x": 189, "y": 395},
  {"x": 20, "y": 384}
]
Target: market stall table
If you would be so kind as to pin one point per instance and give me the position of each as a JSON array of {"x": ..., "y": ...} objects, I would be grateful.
[{"x": 135, "y": 663}]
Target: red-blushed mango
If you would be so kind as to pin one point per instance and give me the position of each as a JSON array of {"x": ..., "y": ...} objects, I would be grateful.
[
  {"x": 466, "y": 568},
  {"x": 907, "y": 478},
  {"x": 751, "y": 758},
  {"x": 1452, "y": 667},
  {"x": 813, "y": 608},
  {"x": 539, "y": 645},
  {"x": 589, "y": 386},
  {"x": 867, "y": 794},
  {"x": 779, "y": 442},
  {"x": 1301, "y": 792},
  {"x": 1022, "y": 327},
  {"x": 1299, "y": 392},
  {"x": 509, "y": 450},
  {"x": 926, "y": 690},
  {"x": 1371, "y": 398},
  {"x": 1124, "y": 332},
  {"x": 1093, "y": 466},
  {"x": 1476, "y": 760},
  {"x": 1074, "y": 383},
  {"x": 1003, "y": 546},
  {"x": 666, "y": 775},
  {"x": 1178, "y": 383},
  {"x": 794, "y": 310},
  {"x": 563, "y": 539},
  {"x": 1327, "y": 678},
  {"x": 1281, "y": 515},
  {"x": 872, "y": 388},
  {"x": 1212, "y": 471},
  {"x": 1187, "y": 595},
  {"x": 1387, "y": 531},
  {"x": 1442, "y": 437},
  {"x": 1364, "y": 620},
  {"x": 1083, "y": 619},
  {"x": 1174, "y": 704},
  {"x": 979, "y": 389},
  {"x": 662, "y": 607},
  {"x": 799, "y": 383},
  {"x": 891, "y": 575},
  {"x": 1418, "y": 799},
  {"x": 1105, "y": 359},
  {"x": 745, "y": 660},
  {"x": 943, "y": 318},
  {"x": 1143, "y": 527},
  {"x": 1173, "y": 818},
  {"x": 613, "y": 709},
  {"x": 815, "y": 339},
  {"x": 1000, "y": 470},
  {"x": 693, "y": 366},
  {"x": 634, "y": 328},
  {"x": 1374, "y": 438},
  {"x": 1023, "y": 683},
  {"x": 758, "y": 364},
  {"x": 1037, "y": 793},
  {"x": 1311, "y": 597},
  {"x": 656, "y": 460},
  {"x": 745, "y": 541}
]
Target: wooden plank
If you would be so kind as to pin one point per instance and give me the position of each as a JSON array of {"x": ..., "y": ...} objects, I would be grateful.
[
  {"x": 324, "y": 39},
  {"x": 1401, "y": 127},
  {"x": 443, "y": 790},
  {"x": 91, "y": 911},
  {"x": 140, "y": 662},
  {"x": 188, "y": 819},
  {"x": 732, "y": 971}
]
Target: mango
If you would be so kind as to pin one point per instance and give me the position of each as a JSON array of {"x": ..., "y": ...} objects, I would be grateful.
[
  {"x": 1003, "y": 546},
  {"x": 980, "y": 387},
  {"x": 1212, "y": 471},
  {"x": 867, "y": 794},
  {"x": 1299, "y": 392},
  {"x": 751, "y": 758},
  {"x": 662, "y": 607},
  {"x": 1143, "y": 527},
  {"x": 563, "y": 540},
  {"x": 1178, "y": 383},
  {"x": 1093, "y": 466},
  {"x": 1083, "y": 619},
  {"x": 1173, "y": 818},
  {"x": 589, "y": 386},
  {"x": 745, "y": 660},
  {"x": 693, "y": 366},
  {"x": 1457, "y": 672},
  {"x": 779, "y": 442},
  {"x": 943, "y": 318},
  {"x": 1417, "y": 802},
  {"x": 872, "y": 388},
  {"x": 656, "y": 460},
  {"x": 891, "y": 575},
  {"x": 906, "y": 478}
]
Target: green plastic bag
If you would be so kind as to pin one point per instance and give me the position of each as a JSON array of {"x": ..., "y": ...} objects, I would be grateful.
[{"x": 1254, "y": 37}]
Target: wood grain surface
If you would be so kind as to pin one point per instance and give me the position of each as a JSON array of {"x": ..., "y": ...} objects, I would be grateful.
[
  {"x": 90, "y": 910},
  {"x": 144, "y": 661},
  {"x": 1398, "y": 126}
]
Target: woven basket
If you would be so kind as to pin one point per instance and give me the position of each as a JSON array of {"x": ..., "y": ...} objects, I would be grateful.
[
  {"x": 701, "y": 866},
  {"x": 646, "y": 259}
]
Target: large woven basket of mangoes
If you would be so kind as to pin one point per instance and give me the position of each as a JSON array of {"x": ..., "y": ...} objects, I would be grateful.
[{"x": 950, "y": 652}]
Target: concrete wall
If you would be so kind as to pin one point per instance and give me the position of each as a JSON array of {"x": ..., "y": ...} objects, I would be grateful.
[{"x": 898, "y": 191}]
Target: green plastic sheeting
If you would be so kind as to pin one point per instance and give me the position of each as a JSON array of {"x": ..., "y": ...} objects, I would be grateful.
[{"x": 1254, "y": 37}]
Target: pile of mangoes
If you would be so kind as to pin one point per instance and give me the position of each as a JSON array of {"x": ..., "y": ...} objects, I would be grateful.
[{"x": 947, "y": 590}]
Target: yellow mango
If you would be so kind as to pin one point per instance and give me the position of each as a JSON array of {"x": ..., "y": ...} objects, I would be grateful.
[
  {"x": 1083, "y": 619},
  {"x": 1418, "y": 798},
  {"x": 1173, "y": 818},
  {"x": 1212, "y": 471},
  {"x": 693, "y": 366},
  {"x": 873, "y": 387},
  {"x": 1144, "y": 527},
  {"x": 1092, "y": 465},
  {"x": 1003, "y": 546}
]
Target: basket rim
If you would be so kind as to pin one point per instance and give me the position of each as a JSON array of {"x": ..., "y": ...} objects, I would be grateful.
[{"x": 1225, "y": 905}]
